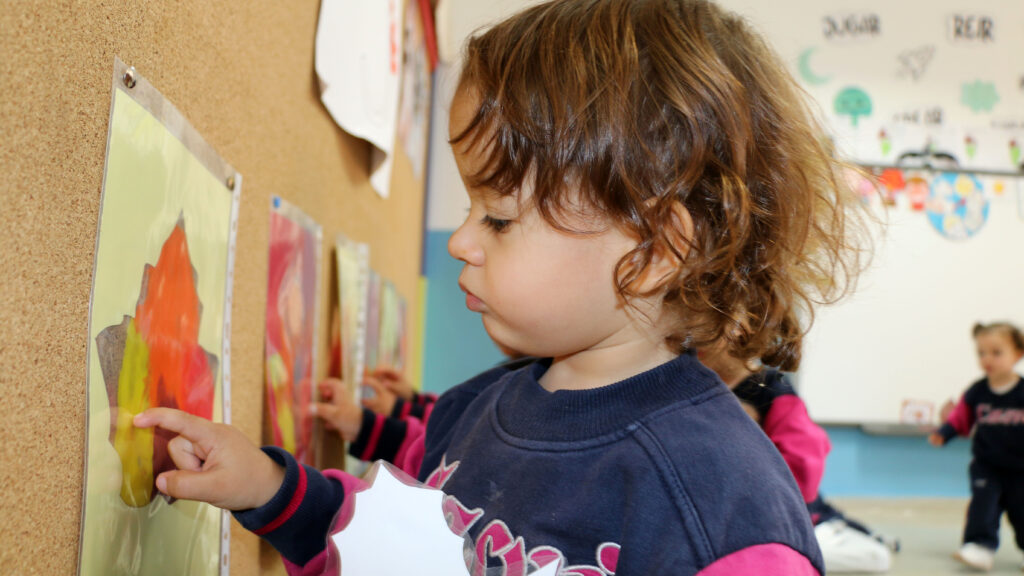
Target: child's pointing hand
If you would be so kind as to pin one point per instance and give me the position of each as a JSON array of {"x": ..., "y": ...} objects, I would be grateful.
[{"x": 216, "y": 462}]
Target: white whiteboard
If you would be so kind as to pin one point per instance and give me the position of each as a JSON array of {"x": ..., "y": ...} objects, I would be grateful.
[{"x": 905, "y": 334}]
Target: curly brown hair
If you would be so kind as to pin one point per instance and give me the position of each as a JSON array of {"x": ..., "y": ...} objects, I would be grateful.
[{"x": 640, "y": 105}]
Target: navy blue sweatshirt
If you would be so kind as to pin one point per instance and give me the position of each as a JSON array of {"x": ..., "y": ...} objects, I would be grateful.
[
  {"x": 662, "y": 473},
  {"x": 998, "y": 420}
]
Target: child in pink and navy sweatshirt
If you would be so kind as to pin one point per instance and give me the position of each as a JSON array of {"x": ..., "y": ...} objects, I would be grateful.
[
  {"x": 769, "y": 398},
  {"x": 993, "y": 408}
]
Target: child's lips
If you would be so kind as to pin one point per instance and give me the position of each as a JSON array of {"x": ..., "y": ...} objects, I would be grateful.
[{"x": 472, "y": 302}]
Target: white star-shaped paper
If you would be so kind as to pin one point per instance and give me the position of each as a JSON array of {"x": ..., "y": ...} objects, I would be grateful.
[{"x": 398, "y": 529}]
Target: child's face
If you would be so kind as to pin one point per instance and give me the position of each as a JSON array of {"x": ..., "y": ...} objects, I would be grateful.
[
  {"x": 996, "y": 353},
  {"x": 540, "y": 291}
]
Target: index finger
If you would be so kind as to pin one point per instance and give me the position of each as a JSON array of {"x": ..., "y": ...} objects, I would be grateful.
[{"x": 192, "y": 427}]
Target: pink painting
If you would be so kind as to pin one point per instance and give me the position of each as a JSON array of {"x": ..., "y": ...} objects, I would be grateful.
[{"x": 291, "y": 327}]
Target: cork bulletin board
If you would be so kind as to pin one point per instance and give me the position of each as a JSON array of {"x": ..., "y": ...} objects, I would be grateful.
[{"x": 242, "y": 74}]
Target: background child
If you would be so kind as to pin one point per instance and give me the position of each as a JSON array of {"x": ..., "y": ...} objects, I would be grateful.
[
  {"x": 644, "y": 179},
  {"x": 769, "y": 398},
  {"x": 993, "y": 408}
]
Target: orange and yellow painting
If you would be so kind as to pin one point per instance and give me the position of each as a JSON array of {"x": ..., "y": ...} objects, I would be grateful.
[{"x": 154, "y": 359}]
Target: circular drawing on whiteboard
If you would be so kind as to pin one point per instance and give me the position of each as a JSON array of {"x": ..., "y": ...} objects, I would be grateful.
[{"x": 957, "y": 206}]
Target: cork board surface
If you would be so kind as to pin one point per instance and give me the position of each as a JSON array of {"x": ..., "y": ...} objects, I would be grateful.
[{"x": 242, "y": 74}]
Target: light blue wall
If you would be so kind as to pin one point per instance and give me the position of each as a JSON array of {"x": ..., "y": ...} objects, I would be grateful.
[
  {"x": 455, "y": 345},
  {"x": 889, "y": 466}
]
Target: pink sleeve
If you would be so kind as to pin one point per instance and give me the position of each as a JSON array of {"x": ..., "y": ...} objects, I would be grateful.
[
  {"x": 326, "y": 562},
  {"x": 410, "y": 453},
  {"x": 408, "y": 458},
  {"x": 962, "y": 418},
  {"x": 802, "y": 443},
  {"x": 762, "y": 560}
]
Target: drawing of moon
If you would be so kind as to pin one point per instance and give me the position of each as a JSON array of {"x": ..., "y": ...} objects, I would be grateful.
[{"x": 805, "y": 69}]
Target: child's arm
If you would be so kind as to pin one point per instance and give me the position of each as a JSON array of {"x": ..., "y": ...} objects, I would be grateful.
[
  {"x": 419, "y": 407},
  {"x": 762, "y": 560},
  {"x": 372, "y": 436},
  {"x": 803, "y": 444},
  {"x": 400, "y": 442},
  {"x": 960, "y": 422}
]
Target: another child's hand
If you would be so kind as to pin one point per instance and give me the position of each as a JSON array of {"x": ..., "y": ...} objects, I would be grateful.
[
  {"x": 338, "y": 410},
  {"x": 383, "y": 399},
  {"x": 216, "y": 462},
  {"x": 936, "y": 439},
  {"x": 395, "y": 382}
]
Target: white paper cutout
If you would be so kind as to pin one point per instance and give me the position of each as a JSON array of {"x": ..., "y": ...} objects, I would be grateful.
[{"x": 397, "y": 530}]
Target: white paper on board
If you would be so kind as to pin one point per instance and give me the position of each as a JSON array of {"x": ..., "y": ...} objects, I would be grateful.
[{"x": 359, "y": 65}]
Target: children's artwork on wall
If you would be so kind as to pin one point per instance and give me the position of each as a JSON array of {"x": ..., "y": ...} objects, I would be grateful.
[
  {"x": 887, "y": 78},
  {"x": 154, "y": 358},
  {"x": 292, "y": 315},
  {"x": 159, "y": 334},
  {"x": 391, "y": 350},
  {"x": 353, "y": 259},
  {"x": 956, "y": 203},
  {"x": 414, "y": 106},
  {"x": 373, "y": 288},
  {"x": 957, "y": 207},
  {"x": 919, "y": 412}
]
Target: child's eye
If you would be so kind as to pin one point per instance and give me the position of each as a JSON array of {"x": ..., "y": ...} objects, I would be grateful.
[{"x": 495, "y": 224}]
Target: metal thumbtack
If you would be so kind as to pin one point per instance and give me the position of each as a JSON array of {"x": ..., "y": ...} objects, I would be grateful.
[
  {"x": 231, "y": 182},
  {"x": 129, "y": 77}
]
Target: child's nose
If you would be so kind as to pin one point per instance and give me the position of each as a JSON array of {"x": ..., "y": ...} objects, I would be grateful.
[{"x": 462, "y": 245}]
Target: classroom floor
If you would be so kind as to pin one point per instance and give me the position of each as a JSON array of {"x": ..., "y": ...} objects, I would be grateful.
[{"x": 929, "y": 531}]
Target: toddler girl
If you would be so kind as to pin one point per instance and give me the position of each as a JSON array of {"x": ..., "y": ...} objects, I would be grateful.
[
  {"x": 644, "y": 179},
  {"x": 993, "y": 408}
]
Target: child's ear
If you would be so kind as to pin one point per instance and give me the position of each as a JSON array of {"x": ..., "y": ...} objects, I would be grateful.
[{"x": 671, "y": 246}]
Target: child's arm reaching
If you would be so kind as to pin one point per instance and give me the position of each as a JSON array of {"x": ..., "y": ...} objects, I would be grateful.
[
  {"x": 372, "y": 436},
  {"x": 960, "y": 422},
  {"x": 802, "y": 443},
  {"x": 288, "y": 504}
]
